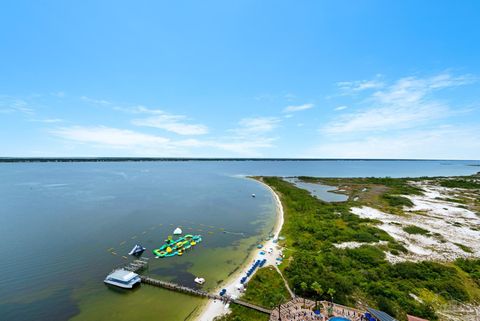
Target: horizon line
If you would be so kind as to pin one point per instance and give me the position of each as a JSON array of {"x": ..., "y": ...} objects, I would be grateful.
[{"x": 139, "y": 158}]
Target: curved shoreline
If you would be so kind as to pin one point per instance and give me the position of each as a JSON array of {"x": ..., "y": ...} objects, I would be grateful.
[{"x": 214, "y": 309}]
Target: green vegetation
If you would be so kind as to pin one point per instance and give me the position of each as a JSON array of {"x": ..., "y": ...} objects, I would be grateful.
[
  {"x": 413, "y": 229},
  {"x": 314, "y": 265},
  {"x": 471, "y": 267},
  {"x": 452, "y": 200},
  {"x": 240, "y": 313},
  {"x": 464, "y": 247},
  {"x": 460, "y": 183},
  {"x": 397, "y": 201},
  {"x": 266, "y": 289}
]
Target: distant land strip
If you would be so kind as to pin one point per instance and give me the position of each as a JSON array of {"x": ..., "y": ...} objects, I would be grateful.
[{"x": 180, "y": 159}]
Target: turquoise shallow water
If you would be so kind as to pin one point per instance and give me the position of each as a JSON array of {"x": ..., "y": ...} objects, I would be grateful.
[{"x": 58, "y": 221}]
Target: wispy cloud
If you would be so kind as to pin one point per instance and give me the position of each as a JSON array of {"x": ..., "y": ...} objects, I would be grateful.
[
  {"x": 172, "y": 123},
  {"x": 443, "y": 142},
  {"x": 112, "y": 137},
  {"x": 47, "y": 120},
  {"x": 59, "y": 94},
  {"x": 405, "y": 104},
  {"x": 295, "y": 108},
  {"x": 348, "y": 87},
  {"x": 95, "y": 101},
  {"x": 290, "y": 96},
  {"x": 10, "y": 105},
  {"x": 132, "y": 142},
  {"x": 340, "y": 108},
  {"x": 256, "y": 126},
  {"x": 139, "y": 109},
  {"x": 160, "y": 119}
]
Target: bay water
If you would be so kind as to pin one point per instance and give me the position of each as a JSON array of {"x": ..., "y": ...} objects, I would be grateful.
[{"x": 65, "y": 226}]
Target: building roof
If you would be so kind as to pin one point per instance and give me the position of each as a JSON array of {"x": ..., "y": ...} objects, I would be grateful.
[
  {"x": 380, "y": 315},
  {"x": 412, "y": 318},
  {"x": 122, "y": 275}
]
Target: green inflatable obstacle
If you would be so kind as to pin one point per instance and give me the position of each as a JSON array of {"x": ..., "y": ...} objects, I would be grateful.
[{"x": 177, "y": 247}]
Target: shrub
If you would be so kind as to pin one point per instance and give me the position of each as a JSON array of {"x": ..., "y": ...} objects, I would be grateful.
[{"x": 413, "y": 229}]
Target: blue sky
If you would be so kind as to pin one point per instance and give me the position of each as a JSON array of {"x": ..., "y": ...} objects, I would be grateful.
[{"x": 326, "y": 79}]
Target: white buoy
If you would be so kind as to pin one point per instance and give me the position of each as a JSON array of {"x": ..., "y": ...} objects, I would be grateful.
[
  {"x": 253, "y": 195},
  {"x": 177, "y": 231}
]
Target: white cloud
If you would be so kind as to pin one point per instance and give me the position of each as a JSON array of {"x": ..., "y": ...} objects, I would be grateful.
[
  {"x": 95, "y": 101},
  {"x": 405, "y": 104},
  {"x": 438, "y": 143},
  {"x": 139, "y": 109},
  {"x": 172, "y": 123},
  {"x": 59, "y": 94},
  {"x": 47, "y": 120},
  {"x": 107, "y": 136},
  {"x": 256, "y": 126},
  {"x": 292, "y": 109},
  {"x": 23, "y": 107},
  {"x": 13, "y": 105},
  {"x": 349, "y": 87},
  {"x": 131, "y": 142},
  {"x": 290, "y": 96},
  {"x": 160, "y": 119},
  {"x": 340, "y": 108}
]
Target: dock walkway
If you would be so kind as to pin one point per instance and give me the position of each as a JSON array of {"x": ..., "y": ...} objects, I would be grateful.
[
  {"x": 187, "y": 290},
  {"x": 137, "y": 265}
]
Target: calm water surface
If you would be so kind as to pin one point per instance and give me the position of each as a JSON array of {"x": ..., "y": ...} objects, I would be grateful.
[
  {"x": 324, "y": 192},
  {"x": 60, "y": 223}
]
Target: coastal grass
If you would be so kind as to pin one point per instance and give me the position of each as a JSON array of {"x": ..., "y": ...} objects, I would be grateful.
[
  {"x": 464, "y": 247},
  {"x": 471, "y": 267},
  {"x": 413, "y": 229},
  {"x": 241, "y": 313},
  {"x": 460, "y": 183},
  {"x": 266, "y": 289},
  {"x": 363, "y": 274}
]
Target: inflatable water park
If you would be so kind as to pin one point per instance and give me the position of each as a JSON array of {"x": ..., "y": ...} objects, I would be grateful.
[{"x": 177, "y": 247}]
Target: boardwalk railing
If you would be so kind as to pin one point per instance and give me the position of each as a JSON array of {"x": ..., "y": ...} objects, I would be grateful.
[
  {"x": 179, "y": 288},
  {"x": 252, "y": 306}
]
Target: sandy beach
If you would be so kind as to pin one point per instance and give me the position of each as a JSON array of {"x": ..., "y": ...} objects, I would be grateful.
[{"x": 216, "y": 308}]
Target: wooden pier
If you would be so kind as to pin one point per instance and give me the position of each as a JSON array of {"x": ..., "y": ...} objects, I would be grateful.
[
  {"x": 179, "y": 288},
  {"x": 142, "y": 263},
  {"x": 183, "y": 289}
]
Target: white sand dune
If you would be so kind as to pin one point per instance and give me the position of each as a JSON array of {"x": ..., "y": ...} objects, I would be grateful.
[{"x": 448, "y": 224}]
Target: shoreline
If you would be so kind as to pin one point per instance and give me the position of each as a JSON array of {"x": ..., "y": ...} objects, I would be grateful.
[{"x": 213, "y": 309}]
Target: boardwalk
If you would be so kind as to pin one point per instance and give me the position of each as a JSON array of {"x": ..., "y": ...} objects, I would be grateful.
[
  {"x": 252, "y": 306},
  {"x": 180, "y": 288},
  {"x": 201, "y": 293}
]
